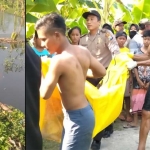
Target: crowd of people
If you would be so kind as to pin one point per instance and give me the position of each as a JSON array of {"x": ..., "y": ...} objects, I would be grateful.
[{"x": 77, "y": 57}]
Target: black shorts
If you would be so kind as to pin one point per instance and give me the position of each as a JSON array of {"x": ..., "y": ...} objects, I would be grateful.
[{"x": 146, "y": 105}]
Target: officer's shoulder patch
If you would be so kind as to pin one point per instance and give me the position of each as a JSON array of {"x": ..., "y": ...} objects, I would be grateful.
[
  {"x": 83, "y": 35},
  {"x": 103, "y": 30},
  {"x": 108, "y": 35}
]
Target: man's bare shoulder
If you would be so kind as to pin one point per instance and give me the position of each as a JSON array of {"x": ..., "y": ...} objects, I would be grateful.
[
  {"x": 83, "y": 49},
  {"x": 63, "y": 59},
  {"x": 57, "y": 60}
]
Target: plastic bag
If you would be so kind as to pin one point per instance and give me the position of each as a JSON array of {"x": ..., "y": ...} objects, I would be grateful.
[
  {"x": 106, "y": 101},
  {"x": 51, "y": 116}
]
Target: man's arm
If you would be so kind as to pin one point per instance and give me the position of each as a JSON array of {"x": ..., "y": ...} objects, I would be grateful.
[
  {"x": 132, "y": 64},
  {"x": 141, "y": 57},
  {"x": 144, "y": 63},
  {"x": 112, "y": 43},
  {"x": 49, "y": 82},
  {"x": 96, "y": 69}
]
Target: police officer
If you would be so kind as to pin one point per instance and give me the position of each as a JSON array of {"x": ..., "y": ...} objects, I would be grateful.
[{"x": 103, "y": 46}]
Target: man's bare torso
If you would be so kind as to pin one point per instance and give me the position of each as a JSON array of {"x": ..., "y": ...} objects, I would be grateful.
[{"x": 75, "y": 62}]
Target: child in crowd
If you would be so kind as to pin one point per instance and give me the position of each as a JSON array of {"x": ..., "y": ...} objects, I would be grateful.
[
  {"x": 121, "y": 38},
  {"x": 141, "y": 82},
  {"x": 74, "y": 34},
  {"x": 38, "y": 49}
]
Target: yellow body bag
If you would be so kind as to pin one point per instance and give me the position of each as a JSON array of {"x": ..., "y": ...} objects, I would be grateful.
[{"x": 106, "y": 101}]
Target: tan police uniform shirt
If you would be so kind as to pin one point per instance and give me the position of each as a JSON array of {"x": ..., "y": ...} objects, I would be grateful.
[{"x": 102, "y": 46}]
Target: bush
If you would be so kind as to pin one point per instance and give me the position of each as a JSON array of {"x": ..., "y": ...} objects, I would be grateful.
[{"x": 12, "y": 128}]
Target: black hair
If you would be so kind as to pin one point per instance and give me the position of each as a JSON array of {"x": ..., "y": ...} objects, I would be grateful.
[
  {"x": 107, "y": 26},
  {"x": 53, "y": 22},
  {"x": 121, "y": 33},
  {"x": 70, "y": 31},
  {"x": 35, "y": 37},
  {"x": 35, "y": 34},
  {"x": 136, "y": 26},
  {"x": 141, "y": 26},
  {"x": 146, "y": 33}
]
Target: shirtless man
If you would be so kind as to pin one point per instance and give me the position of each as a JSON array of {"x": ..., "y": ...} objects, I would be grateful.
[
  {"x": 143, "y": 60},
  {"x": 69, "y": 69}
]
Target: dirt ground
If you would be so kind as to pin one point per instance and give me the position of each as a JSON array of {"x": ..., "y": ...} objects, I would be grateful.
[{"x": 121, "y": 139}]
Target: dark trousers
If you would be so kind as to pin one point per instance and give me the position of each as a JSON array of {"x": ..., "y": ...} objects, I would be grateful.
[
  {"x": 32, "y": 98},
  {"x": 99, "y": 136}
]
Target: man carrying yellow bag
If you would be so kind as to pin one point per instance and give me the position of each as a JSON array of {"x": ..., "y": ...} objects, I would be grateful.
[{"x": 69, "y": 69}]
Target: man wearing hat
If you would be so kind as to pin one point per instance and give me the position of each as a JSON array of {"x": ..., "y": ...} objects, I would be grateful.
[
  {"x": 136, "y": 42},
  {"x": 103, "y": 46},
  {"x": 145, "y": 23},
  {"x": 118, "y": 26}
]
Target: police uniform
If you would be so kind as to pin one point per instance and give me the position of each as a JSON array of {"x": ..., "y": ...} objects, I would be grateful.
[{"x": 102, "y": 46}]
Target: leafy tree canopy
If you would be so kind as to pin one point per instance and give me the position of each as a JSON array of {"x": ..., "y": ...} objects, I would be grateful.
[{"x": 72, "y": 11}]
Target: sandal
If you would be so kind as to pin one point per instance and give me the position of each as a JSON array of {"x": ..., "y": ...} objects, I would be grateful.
[{"x": 129, "y": 125}]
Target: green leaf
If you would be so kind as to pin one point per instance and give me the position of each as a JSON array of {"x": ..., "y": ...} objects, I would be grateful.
[
  {"x": 30, "y": 18},
  {"x": 58, "y": 1},
  {"x": 126, "y": 13},
  {"x": 29, "y": 2},
  {"x": 29, "y": 8},
  {"x": 141, "y": 10},
  {"x": 30, "y": 29},
  {"x": 43, "y": 8},
  {"x": 73, "y": 3},
  {"x": 44, "y": 2}
]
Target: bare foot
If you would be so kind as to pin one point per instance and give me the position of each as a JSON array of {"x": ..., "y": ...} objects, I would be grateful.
[
  {"x": 129, "y": 119},
  {"x": 122, "y": 117}
]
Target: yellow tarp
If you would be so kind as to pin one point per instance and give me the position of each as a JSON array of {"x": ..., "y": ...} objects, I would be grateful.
[
  {"x": 51, "y": 116},
  {"x": 106, "y": 102}
]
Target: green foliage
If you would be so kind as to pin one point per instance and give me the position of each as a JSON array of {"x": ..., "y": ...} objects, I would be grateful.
[
  {"x": 141, "y": 10},
  {"x": 12, "y": 128},
  {"x": 72, "y": 11},
  {"x": 13, "y": 6}
]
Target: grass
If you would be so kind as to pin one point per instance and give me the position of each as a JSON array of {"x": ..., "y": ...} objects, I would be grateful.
[{"x": 50, "y": 145}]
